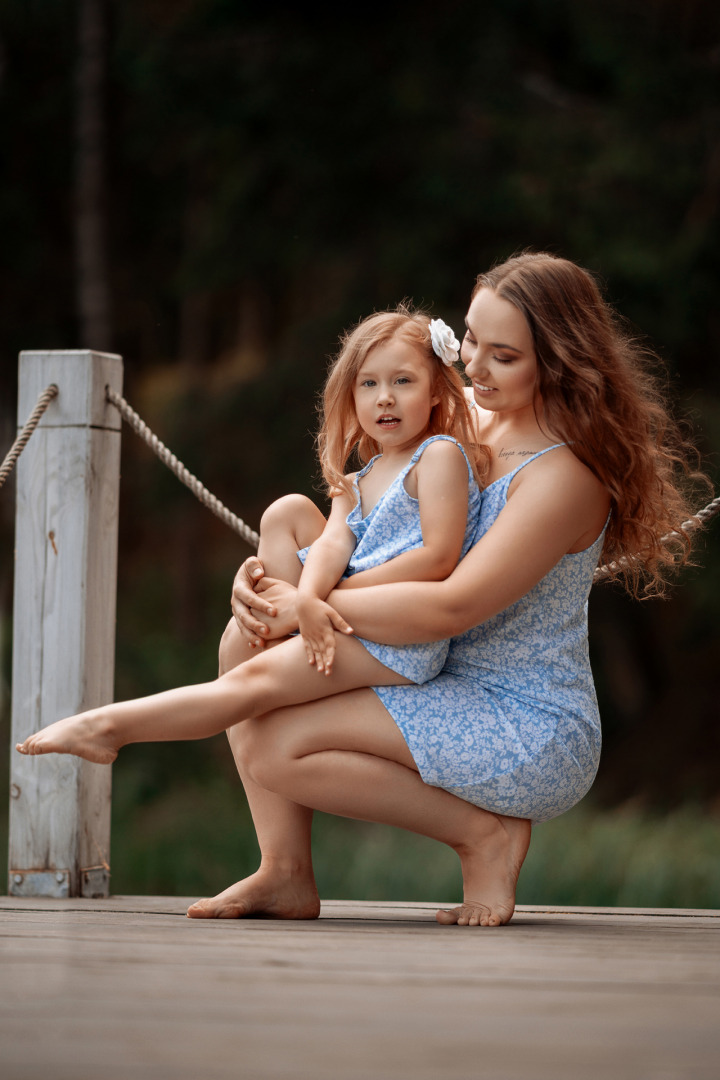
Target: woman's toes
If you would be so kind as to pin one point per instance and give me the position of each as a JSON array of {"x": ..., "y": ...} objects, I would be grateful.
[{"x": 447, "y": 916}]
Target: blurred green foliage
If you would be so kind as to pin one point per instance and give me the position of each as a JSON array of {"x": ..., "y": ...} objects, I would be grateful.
[{"x": 271, "y": 175}]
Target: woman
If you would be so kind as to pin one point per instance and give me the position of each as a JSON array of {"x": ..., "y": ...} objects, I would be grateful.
[{"x": 582, "y": 469}]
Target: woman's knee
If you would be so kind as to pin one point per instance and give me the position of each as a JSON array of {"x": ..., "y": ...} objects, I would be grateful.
[
  {"x": 258, "y": 751},
  {"x": 233, "y": 648}
]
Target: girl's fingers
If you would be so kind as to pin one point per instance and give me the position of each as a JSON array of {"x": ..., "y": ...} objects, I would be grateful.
[{"x": 339, "y": 623}]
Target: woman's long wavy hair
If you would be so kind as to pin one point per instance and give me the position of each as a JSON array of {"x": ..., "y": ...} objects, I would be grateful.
[
  {"x": 341, "y": 437},
  {"x": 601, "y": 395}
]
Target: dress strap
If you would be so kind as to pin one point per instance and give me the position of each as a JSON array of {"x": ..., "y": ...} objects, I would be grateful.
[{"x": 540, "y": 453}]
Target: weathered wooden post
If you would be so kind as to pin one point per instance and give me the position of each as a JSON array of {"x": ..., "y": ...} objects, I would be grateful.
[{"x": 64, "y": 619}]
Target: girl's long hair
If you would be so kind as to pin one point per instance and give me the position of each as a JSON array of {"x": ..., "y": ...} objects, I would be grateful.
[
  {"x": 341, "y": 437},
  {"x": 601, "y": 395}
]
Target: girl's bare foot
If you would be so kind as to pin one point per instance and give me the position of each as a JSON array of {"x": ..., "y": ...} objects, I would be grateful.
[
  {"x": 491, "y": 866},
  {"x": 88, "y": 735},
  {"x": 271, "y": 892}
]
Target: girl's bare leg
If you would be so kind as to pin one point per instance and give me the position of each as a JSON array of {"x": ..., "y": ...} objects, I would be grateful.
[
  {"x": 272, "y": 679},
  {"x": 347, "y": 757},
  {"x": 196, "y": 712}
]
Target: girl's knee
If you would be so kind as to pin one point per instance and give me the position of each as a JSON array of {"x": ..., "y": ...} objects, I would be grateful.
[{"x": 285, "y": 513}]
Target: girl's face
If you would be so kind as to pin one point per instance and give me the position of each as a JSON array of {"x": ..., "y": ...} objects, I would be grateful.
[
  {"x": 394, "y": 394},
  {"x": 499, "y": 354}
]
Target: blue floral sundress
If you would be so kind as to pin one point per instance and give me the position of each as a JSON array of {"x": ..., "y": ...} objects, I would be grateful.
[
  {"x": 391, "y": 528},
  {"x": 511, "y": 724}
]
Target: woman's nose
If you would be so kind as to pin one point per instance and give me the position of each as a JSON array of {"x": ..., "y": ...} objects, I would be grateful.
[{"x": 473, "y": 364}]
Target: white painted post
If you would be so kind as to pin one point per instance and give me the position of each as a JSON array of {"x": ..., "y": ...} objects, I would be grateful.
[{"x": 64, "y": 619}]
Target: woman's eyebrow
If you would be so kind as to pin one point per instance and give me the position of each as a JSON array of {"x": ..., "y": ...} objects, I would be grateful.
[
  {"x": 497, "y": 344},
  {"x": 500, "y": 345}
]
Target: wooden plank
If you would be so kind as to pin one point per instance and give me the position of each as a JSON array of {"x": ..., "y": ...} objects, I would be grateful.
[
  {"x": 64, "y": 619},
  {"x": 145, "y": 992}
]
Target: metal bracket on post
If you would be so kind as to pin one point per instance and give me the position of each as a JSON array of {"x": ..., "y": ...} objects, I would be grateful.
[{"x": 64, "y": 619}]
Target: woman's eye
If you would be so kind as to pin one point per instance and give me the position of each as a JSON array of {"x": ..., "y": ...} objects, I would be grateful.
[
  {"x": 504, "y": 359},
  {"x": 469, "y": 338}
]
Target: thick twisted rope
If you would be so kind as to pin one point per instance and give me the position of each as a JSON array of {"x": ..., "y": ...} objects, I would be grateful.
[
  {"x": 213, "y": 503},
  {"x": 23, "y": 438},
  {"x": 184, "y": 475},
  {"x": 689, "y": 526}
]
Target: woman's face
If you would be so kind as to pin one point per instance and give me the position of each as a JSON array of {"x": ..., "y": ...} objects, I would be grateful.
[{"x": 499, "y": 354}]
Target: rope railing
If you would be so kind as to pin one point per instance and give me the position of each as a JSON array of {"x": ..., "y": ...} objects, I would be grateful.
[
  {"x": 183, "y": 474},
  {"x": 691, "y": 525},
  {"x": 21, "y": 442},
  {"x": 220, "y": 510}
]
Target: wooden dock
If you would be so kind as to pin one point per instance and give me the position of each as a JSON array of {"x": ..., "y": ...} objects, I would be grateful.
[{"x": 129, "y": 989}]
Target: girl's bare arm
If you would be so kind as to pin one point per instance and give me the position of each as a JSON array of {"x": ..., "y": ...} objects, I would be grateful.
[
  {"x": 324, "y": 566},
  {"x": 442, "y": 493}
]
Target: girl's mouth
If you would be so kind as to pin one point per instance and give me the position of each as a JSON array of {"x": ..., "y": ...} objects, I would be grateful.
[{"x": 388, "y": 421}]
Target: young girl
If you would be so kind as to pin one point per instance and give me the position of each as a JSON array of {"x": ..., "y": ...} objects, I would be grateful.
[{"x": 408, "y": 515}]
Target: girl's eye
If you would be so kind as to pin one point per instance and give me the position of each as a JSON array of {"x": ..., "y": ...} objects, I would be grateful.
[
  {"x": 368, "y": 382},
  {"x": 402, "y": 380}
]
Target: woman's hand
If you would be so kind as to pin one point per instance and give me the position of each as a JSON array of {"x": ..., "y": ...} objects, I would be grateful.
[
  {"x": 264, "y": 608},
  {"x": 244, "y": 599}
]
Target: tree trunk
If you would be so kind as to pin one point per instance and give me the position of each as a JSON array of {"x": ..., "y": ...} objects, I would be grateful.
[{"x": 93, "y": 306}]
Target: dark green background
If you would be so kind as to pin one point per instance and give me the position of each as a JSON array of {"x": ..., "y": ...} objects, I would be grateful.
[{"x": 270, "y": 176}]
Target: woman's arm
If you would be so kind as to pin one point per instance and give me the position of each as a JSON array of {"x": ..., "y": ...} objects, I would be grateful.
[
  {"x": 441, "y": 475},
  {"x": 549, "y": 508}
]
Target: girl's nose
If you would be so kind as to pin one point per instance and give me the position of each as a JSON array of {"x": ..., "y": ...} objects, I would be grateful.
[{"x": 385, "y": 395}]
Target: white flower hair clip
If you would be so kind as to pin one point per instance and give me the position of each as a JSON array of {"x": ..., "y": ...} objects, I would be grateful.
[{"x": 444, "y": 343}]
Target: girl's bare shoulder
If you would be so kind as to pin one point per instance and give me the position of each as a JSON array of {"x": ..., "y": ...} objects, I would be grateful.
[{"x": 442, "y": 453}]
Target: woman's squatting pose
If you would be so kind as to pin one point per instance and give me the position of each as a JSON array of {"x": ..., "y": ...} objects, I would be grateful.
[{"x": 582, "y": 465}]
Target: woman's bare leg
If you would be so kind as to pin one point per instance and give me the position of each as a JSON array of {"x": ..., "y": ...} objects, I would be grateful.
[
  {"x": 347, "y": 757},
  {"x": 284, "y": 884}
]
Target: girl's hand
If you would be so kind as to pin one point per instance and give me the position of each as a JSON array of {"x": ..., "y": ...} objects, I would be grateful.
[
  {"x": 281, "y": 597},
  {"x": 318, "y": 622}
]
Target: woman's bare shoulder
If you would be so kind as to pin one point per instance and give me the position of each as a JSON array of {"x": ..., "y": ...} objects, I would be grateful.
[
  {"x": 560, "y": 465},
  {"x": 559, "y": 484}
]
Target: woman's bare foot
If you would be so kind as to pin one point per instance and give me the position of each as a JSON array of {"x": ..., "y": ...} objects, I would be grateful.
[
  {"x": 88, "y": 735},
  {"x": 267, "y": 892},
  {"x": 491, "y": 866}
]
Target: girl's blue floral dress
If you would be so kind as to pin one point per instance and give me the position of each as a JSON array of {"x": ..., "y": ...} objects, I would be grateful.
[{"x": 391, "y": 528}]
